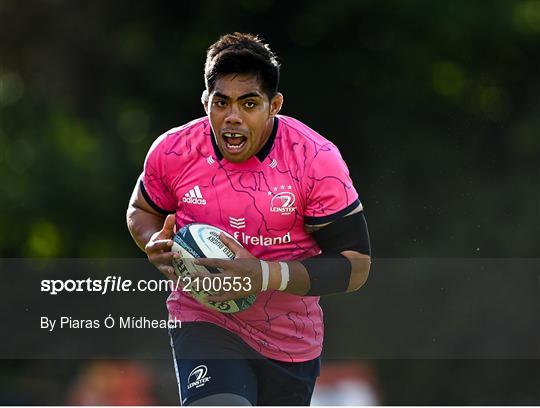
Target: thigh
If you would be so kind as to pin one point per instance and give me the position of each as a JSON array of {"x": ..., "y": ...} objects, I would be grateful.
[
  {"x": 210, "y": 361},
  {"x": 282, "y": 383},
  {"x": 221, "y": 400}
]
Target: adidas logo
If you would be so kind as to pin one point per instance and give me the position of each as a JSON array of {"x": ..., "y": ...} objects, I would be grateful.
[{"x": 194, "y": 196}]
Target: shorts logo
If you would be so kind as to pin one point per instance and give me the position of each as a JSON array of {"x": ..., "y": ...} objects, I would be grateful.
[
  {"x": 194, "y": 196},
  {"x": 283, "y": 202},
  {"x": 198, "y": 378}
]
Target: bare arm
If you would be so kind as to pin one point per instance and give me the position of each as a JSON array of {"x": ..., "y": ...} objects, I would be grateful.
[
  {"x": 151, "y": 231},
  {"x": 142, "y": 220}
]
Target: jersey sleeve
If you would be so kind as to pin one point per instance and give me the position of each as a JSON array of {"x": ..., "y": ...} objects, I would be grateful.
[
  {"x": 330, "y": 191},
  {"x": 154, "y": 181}
]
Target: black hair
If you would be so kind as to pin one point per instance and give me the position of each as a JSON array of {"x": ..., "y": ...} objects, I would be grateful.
[{"x": 240, "y": 53}]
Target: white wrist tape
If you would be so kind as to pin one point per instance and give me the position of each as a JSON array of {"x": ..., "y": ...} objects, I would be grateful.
[
  {"x": 265, "y": 275},
  {"x": 284, "y": 275}
]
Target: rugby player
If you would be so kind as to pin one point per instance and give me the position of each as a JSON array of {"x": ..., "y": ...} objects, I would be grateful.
[{"x": 284, "y": 192}]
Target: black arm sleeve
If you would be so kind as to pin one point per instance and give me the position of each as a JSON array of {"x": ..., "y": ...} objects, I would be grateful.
[
  {"x": 330, "y": 272},
  {"x": 347, "y": 233}
]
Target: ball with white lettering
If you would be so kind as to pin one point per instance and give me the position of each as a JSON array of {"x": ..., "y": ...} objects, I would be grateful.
[{"x": 202, "y": 241}]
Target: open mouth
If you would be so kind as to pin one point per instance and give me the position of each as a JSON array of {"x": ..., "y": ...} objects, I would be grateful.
[{"x": 234, "y": 142}]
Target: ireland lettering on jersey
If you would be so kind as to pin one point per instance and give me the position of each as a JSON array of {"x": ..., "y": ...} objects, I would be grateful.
[{"x": 261, "y": 240}]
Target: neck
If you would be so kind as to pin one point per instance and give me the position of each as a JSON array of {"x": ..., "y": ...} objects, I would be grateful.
[{"x": 267, "y": 132}]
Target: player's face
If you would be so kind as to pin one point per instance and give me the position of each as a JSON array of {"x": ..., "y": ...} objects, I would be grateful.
[{"x": 241, "y": 115}]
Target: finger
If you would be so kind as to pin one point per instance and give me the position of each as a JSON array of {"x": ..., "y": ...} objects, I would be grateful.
[
  {"x": 167, "y": 271},
  {"x": 230, "y": 243},
  {"x": 164, "y": 257},
  {"x": 159, "y": 245},
  {"x": 212, "y": 262},
  {"x": 201, "y": 274},
  {"x": 167, "y": 230}
]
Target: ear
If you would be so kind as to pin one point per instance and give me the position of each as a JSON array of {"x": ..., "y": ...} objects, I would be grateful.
[
  {"x": 204, "y": 100},
  {"x": 275, "y": 104}
]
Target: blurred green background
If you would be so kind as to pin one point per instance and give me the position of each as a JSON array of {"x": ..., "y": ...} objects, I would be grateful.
[{"x": 434, "y": 104}]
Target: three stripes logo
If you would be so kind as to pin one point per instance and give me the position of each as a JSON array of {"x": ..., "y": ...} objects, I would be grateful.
[
  {"x": 237, "y": 223},
  {"x": 194, "y": 196},
  {"x": 273, "y": 164}
]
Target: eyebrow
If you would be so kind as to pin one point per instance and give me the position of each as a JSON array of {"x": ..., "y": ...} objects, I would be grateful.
[{"x": 245, "y": 96}]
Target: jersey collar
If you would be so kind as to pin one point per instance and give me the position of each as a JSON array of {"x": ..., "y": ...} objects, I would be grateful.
[{"x": 262, "y": 154}]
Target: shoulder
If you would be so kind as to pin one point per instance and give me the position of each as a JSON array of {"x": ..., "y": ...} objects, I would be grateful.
[
  {"x": 295, "y": 131},
  {"x": 306, "y": 144},
  {"x": 181, "y": 140}
]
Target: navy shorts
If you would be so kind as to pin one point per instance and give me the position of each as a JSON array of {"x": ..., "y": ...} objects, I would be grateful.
[{"x": 210, "y": 360}]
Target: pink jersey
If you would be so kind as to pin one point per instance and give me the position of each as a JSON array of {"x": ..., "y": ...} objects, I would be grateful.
[{"x": 297, "y": 178}]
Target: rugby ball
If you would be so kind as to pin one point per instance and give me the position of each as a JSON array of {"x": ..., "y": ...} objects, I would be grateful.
[{"x": 202, "y": 241}]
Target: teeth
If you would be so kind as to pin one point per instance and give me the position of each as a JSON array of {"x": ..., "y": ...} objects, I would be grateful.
[
  {"x": 236, "y": 147},
  {"x": 232, "y": 135}
]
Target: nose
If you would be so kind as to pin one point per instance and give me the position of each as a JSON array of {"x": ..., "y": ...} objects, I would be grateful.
[{"x": 233, "y": 116}]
